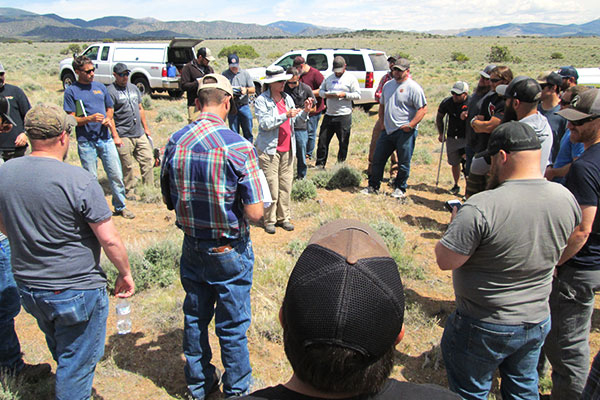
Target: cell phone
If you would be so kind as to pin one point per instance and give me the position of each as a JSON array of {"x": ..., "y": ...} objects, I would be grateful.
[{"x": 450, "y": 204}]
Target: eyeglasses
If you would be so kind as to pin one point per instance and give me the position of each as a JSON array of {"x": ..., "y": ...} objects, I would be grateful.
[
  {"x": 584, "y": 121},
  {"x": 496, "y": 79},
  {"x": 293, "y": 83},
  {"x": 88, "y": 71},
  {"x": 123, "y": 74}
]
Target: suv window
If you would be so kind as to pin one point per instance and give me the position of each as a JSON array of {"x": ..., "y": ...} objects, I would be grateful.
[
  {"x": 318, "y": 61},
  {"x": 288, "y": 61},
  {"x": 104, "y": 55},
  {"x": 92, "y": 53},
  {"x": 180, "y": 55},
  {"x": 354, "y": 62},
  {"x": 379, "y": 62}
]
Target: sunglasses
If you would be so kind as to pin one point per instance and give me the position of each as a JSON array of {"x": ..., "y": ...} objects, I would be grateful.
[
  {"x": 123, "y": 74},
  {"x": 88, "y": 71},
  {"x": 293, "y": 83},
  {"x": 584, "y": 121},
  {"x": 496, "y": 80}
]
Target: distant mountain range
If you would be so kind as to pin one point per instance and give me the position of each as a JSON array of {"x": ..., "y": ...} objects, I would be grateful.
[{"x": 20, "y": 24}]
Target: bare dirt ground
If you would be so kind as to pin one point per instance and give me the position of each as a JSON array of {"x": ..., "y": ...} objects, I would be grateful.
[{"x": 148, "y": 363}]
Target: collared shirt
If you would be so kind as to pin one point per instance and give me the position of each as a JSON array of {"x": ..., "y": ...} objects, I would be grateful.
[{"x": 208, "y": 173}]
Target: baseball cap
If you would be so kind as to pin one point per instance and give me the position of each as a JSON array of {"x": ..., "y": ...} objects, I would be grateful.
[
  {"x": 568, "y": 72},
  {"x": 486, "y": 71},
  {"x": 511, "y": 136},
  {"x": 299, "y": 60},
  {"x": 233, "y": 60},
  {"x": 206, "y": 53},
  {"x": 391, "y": 59},
  {"x": 345, "y": 290},
  {"x": 550, "y": 78},
  {"x": 338, "y": 64},
  {"x": 402, "y": 64},
  {"x": 584, "y": 105},
  {"x": 522, "y": 88},
  {"x": 45, "y": 121},
  {"x": 2, "y": 68},
  {"x": 460, "y": 87},
  {"x": 221, "y": 83},
  {"x": 5, "y": 110},
  {"x": 119, "y": 68}
]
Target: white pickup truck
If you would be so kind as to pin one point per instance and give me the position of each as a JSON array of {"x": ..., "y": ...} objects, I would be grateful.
[{"x": 154, "y": 66}]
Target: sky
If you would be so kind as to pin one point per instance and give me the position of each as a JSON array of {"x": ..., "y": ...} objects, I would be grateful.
[{"x": 423, "y": 15}]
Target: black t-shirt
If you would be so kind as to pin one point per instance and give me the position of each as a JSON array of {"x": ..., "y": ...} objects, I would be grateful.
[
  {"x": 392, "y": 390},
  {"x": 491, "y": 106},
  {"x": 456, "y": 126},
  {"x": 583, "y": 180},
  {"x": 19, "y": 105},
  {"x": 474, "y": 108},
  {"x": 299, "y": 94}
]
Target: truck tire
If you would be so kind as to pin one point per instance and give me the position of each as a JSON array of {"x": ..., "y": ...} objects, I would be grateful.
[
  {"x": 68, "y": 79},
  {"x": 142, "y": 85},
  {"x": 175, "y": 93}
]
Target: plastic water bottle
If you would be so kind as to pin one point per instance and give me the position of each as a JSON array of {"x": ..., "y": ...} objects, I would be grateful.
[{"x": 123, "y": 310}]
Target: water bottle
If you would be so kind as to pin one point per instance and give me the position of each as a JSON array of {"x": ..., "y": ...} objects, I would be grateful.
[{"x": 123, "y": 310}]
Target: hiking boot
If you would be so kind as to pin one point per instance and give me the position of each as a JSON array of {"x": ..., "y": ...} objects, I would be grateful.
[
  {"x": 369, "y": 190},
  {"x": 270, "y": 229},
  {"x": 286, "y": 225},
  {"x": 455, "y": 189},
  {"x": 398, "y": 194},
  {"x": 125, "y": 213}
]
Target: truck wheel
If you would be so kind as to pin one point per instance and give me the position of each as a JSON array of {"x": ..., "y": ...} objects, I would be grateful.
[
  {"x": 68, "y": 79},
  {"x": 175, "y": 93},
  {"x": 142, "y": 85}
]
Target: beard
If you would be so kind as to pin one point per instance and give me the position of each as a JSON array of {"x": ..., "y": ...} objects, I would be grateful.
[
  {"x": 493, "y": 181},
  {"x": 510, "y": 114},
  {"x": 482, "y": 89}
]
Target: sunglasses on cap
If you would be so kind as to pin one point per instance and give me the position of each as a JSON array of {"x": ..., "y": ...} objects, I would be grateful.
[{"x": 584, "y": 121}]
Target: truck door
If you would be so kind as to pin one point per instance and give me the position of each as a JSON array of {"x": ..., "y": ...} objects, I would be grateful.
[{"x": 103, "y": 67}]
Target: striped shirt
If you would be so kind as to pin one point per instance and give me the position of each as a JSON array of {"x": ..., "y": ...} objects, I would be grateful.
[{"x": 208, "y": 173}]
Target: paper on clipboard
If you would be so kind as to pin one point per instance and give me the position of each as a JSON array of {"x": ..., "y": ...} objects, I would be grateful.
[{"x": 266, "y": 193}]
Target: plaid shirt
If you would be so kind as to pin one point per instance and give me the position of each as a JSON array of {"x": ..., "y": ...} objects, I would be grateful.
[{"x": 208, "y": 173}]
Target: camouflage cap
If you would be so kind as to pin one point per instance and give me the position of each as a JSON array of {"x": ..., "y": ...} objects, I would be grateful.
[{"x": 45, "y": 121}]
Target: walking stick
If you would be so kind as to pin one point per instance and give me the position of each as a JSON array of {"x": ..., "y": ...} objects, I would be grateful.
[{"x": 437, "y": 180}]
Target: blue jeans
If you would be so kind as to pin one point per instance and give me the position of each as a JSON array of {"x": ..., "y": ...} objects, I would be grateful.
[
  {"x": 217, "y": 276},
  {"x": 301, "y": 140},
  {"x": 107, "y": 151},
  {"x": 242, "y": 119},
  {"x": 404, "y": 144},
  {"x": 312, "y": 124},
  {"x": 74, "y": 322},
  {"x": 473, "y": 350},
  {"x": 10, "y": 305}
]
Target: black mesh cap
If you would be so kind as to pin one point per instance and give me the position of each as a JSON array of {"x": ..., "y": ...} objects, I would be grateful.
[{"x": 345, "y": 290}]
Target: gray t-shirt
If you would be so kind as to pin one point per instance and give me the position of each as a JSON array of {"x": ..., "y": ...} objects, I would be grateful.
[
  {"x": 514, "y": 235},
  {"x": 241, "y": 79},
  {"x": 47, "y": 206},
  {"x": 127, "y": 110},
  {"x": 401, "y": 101}
]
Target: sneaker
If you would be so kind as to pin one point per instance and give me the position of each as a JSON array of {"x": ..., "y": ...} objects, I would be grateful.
[
  {"x": 369, "y": 190},
  {"x": 286, "y": 225},
  {"x": 455, "y": 189},
  {"x": 270, "y": 229},
  {"x": 125, "y": 213},
  {"x": 398, "y": 194}
]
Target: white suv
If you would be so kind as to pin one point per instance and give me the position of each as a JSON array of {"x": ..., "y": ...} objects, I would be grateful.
[{"x": 369, "y": 66}]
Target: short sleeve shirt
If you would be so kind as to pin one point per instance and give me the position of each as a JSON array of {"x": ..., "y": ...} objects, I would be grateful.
[
  {"x": 241, "y": 79},
  {"x": 95, "y": 99},
  {"x": 401, "y": 101},
  {"x": 127, "y": 102},
  {"x": 456, "y": 125}
]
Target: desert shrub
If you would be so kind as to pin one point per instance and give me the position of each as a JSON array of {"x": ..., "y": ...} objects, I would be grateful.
[
  {"x": 458, "y": 56},
  {"x": 402, "y": 54},
  {"x": 422, "y": 156},
  {"x": 32, "y": 87},
  {"x": 149, "y": 193},
  {"x": 296, "y": 247},
  {"x": 169, "y": 113},
  {"x": 156, "y": 266},
  {"x": 303, "y": 189},
  {"x": 147, "y": 102},
  {"x": 556, "y": 56},
  {"x": 344, "y": 176},
  {"x": 499, "y": 54},
  {"x": 392, "y": 235},
  {"x": 242, "y": 50},
  {"x": 394, "y": 239},
  {"x": 321, "y": 178}
]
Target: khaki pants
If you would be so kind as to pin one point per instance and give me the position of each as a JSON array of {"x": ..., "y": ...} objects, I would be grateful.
[
  {"x": 137, "y": 149},
  {"x": 193, "y": 114},
  {"x": 279, "y": 171}
]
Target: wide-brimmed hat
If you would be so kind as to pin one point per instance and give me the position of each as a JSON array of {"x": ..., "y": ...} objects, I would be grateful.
[{"x": 276, "y": 74}]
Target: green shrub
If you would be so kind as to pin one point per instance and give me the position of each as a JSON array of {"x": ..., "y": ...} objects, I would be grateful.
[
  {"x": 402, "y": 54},
  {"x": 321, "y": 178},
  {"x": 303, "y": 189},
  {"x": 556, "y": 56},
  {"x": 344, "y": 176},
  {"x": 169, "y": 113},
  {"x": 458, "y": 56},
  {"x": 73, "y": 48},
  {"x": 499, "y": 54},
  {"x": 156, "y": 266},
  {"x": 392, "y": 235},
  {"x": 422, "y": 156},
  {"x": 242, "y": 50},
  {"x": 296, "y": 247},
  {"x": 147, "y": 102}
]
